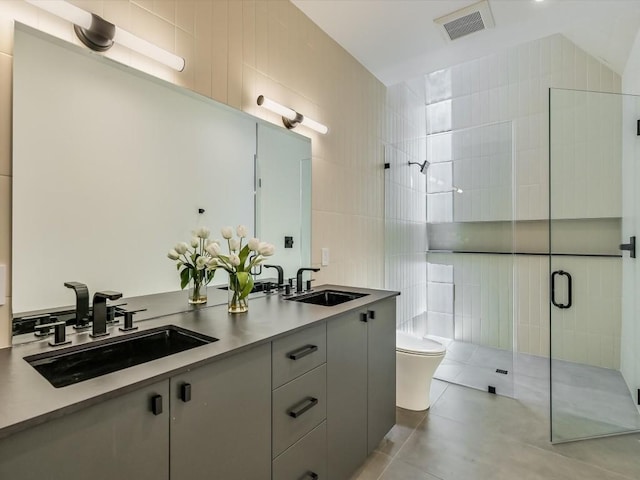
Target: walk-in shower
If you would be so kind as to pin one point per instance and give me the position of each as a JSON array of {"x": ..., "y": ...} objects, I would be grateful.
[{"x": 543, "y": 310}]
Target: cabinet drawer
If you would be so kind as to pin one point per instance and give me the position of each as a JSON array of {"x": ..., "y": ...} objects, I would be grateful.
[
  {"x": 298, "y": 407},
  {"x": 296, "y": 354},
  {"x": 307, "y": 459}
]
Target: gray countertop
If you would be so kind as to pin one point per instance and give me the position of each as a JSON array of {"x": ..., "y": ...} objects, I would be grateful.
[{"x": 28, "y": 399}]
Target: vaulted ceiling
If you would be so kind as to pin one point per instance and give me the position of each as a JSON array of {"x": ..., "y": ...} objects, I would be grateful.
[{"x": 397, "y": 40}]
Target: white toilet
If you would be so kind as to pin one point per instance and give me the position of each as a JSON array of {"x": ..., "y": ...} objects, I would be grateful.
[{"x": 416, "y": 362}]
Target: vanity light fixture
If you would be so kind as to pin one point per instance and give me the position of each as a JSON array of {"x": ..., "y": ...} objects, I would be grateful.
[
  {"x": 291, "y": 118},
  {"x": 100, "y": 35}
]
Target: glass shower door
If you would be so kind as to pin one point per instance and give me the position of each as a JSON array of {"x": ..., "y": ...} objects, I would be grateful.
[
  {"x": 470, "y": 263},
  {"x": 592, "y": 209}
]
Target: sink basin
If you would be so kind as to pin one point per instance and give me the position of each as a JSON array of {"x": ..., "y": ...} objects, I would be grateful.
[
  {"x": 83, "y": 362},
  {"x": 257, "y": 287},
  {"x": 328, "y": 298}
]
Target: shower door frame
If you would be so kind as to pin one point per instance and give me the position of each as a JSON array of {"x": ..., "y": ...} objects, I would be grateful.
[{"x": 563, "y": 301}]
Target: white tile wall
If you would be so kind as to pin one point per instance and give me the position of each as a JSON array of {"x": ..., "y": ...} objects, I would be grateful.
[
  {"x": 586, "y": 153},
  {"x": 513, "y": 86},
  {"x": 481, "y": 299}
]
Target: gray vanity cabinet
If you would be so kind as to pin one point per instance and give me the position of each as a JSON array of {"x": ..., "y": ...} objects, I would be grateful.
[
  {"x": 360, "y": 385},
  {"x": 381, "y": 371},
  {"x": 346, "y": 395},
  {"x": 221, "y": 419},
  {"x": 117, "y": 438}
]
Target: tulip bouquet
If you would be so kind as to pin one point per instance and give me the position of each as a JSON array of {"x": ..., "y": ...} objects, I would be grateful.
[
  {"x": 238, "y": 263},
  {"x": 195, "y": 264}
]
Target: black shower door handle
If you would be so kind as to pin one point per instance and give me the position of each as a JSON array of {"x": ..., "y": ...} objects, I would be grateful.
[{"x": 569, "y": 289}]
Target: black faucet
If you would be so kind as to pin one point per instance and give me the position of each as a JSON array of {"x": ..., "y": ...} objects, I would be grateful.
[
  {"x": 280, "y": 273},
  {"x": 100, "y": 311},
  {"x": 82, "y": 304},
  {"x": 299, "y": 277}
]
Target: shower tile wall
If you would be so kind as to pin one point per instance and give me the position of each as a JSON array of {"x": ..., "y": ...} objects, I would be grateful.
[
  {"x": 513, "y": 86},
  {"x": 482, "y": 302},
  {"x": 405, "y": 204},
  {"x": 440, "y": 300}
]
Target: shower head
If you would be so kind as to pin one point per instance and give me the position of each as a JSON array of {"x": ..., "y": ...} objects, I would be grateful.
[{"x": 423, "y": 166}]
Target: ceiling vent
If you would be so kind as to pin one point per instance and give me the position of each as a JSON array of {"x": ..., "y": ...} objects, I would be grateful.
[{"x": 467, "y": 20}]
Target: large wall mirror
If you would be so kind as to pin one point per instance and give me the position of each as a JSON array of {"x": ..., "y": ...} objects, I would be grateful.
[{"x": 111, "y": 167}]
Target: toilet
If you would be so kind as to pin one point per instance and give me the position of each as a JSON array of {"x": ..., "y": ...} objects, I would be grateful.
[{"x": 416, "y": 362}]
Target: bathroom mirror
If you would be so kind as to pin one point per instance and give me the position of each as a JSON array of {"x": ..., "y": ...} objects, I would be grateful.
[
  {"x": 283, "y": 197},
  {"x": 111, "y": 168}
]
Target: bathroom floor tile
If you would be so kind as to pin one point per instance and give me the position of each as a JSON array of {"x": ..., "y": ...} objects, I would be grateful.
[
  {"x": 373, "y": 467},
  {"x": 406, "y": 423},
  {"x": 481, "y": 411},
  {"x": 452, "y": 450},
  {"x": 470, "y": 434},
  {"x": 403, "y": 471},
  {"x": 483, "y": 377},
  {"x": 619, "y": 454},
  {"x": 438, "y": 387}
]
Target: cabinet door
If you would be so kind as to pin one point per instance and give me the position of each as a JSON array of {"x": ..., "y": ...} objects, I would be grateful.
[
  {"x": 346, "y": 395},
  {"x": 223, "y": 431},
  {"x": 118, "y": 438},
  {"x": 381, "y": 371},
  {"x": 307, "y": 459}
]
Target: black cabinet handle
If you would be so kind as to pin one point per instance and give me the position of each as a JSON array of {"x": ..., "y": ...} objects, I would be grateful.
[
  {"x": 364, "y": 317},
  {"x": 302, "y": 352},
  {"x": 302, "y": 407},
  {"x": 156, "y": 404},
  {"x": 185, "y": 392},
  {"x": 310, "y": 475},
  {"x": 372, "y": 314},
  {"x": 569, "y": 289}
]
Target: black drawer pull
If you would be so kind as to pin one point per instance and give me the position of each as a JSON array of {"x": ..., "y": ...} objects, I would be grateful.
[
  {"x": 372, "y": 314},
  {"x": 302, "y": 352},
  {"x": 156, "y": 404},
  {"x": 364, "y": 317},
  {"x": 302, "y": 407},
  {"x": 310, "y": 475},
  {"x": 185, "y": 392}
]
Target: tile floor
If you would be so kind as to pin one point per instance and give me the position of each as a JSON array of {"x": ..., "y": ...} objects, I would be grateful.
[
  {"x": 469, "y": 434},
  {"x": 588, "y": 401}
]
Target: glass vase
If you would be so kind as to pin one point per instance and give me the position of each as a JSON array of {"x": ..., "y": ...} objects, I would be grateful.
[
  {"x": 237, "y": 303},
  {"x": 197, "y": 291}
]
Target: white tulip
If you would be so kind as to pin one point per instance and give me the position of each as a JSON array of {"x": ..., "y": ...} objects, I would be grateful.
[
  {"x": 195, "y": 242},
  {"x": 202, "y": 232},
  {"x": 254, "y": 244},
  {"x": 227, "y": 232},
  {"x": 213, "y": 249},
  {"x": 182, "y": 248},
  {"x": 201, "y": 262},
  {"x": 212, "y": 263},
  {"x": 173, "y": 255},
  {"x": 234, "y": 244},
  {"x": 266, "y": 249},
  {"x": 241, "y": 231},
  {"x": 234, "y": 259}
]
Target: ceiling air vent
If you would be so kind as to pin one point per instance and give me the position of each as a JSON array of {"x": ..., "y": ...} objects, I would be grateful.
[{"x": 467, "y": 20}]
